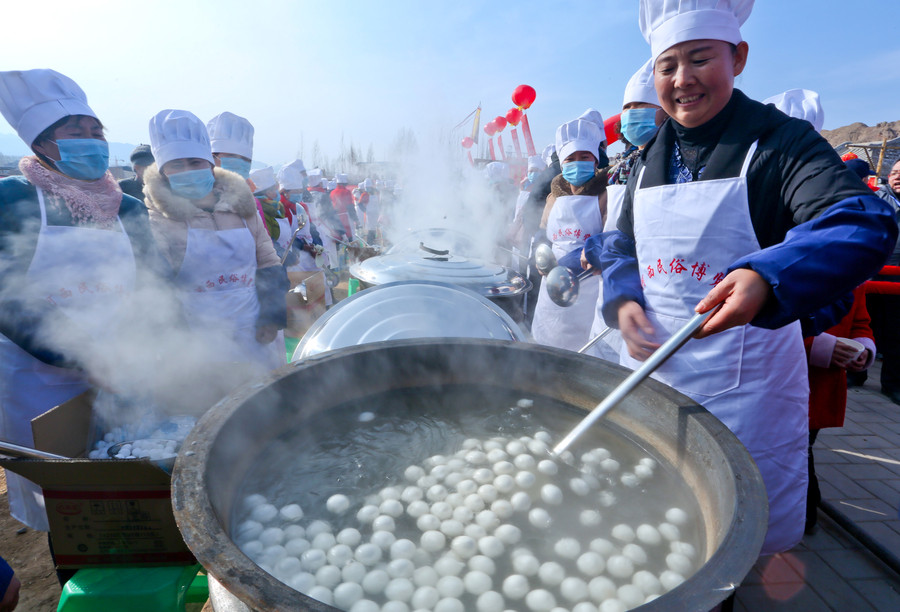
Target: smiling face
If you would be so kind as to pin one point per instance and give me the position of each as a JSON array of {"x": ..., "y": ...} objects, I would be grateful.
[
  {"x": 894, "y": 178},
  {"x": 694, "y": 79}
]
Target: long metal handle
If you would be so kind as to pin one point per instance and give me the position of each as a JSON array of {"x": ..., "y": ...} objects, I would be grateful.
[
  {"x": 595, "y": 339},
  {"x": 24, "y": 452},
  {"x": 586, "y": 274},
  {"x": 628, "y": 385},
  {"x": 287, "y": 249}
]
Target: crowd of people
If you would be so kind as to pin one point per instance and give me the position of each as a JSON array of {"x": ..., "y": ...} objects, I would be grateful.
[{"x": 719, "y": 204}]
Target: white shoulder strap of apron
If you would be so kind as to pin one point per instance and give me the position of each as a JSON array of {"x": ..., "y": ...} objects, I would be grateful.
[
  {"x": 40, "y": 195},
  {"x": 747, "y": 159}
]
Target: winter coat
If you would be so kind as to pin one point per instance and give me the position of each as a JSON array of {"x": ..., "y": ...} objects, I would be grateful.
[
  {"x": 235, "y": 207},
  {"x": 342, "y": 200},
  {"x": 827, "y": 383}
]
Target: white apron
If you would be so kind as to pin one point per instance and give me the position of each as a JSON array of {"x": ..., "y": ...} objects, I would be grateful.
[
  {"x": 306, "y": 262},
  {"x": 610, "y": 346},
  {"x": 84, "y": 272},
  {"x": 572, "y": 220},
  {"x": 217, "y": 283},
  {"x": 373, "y": 211},
  {"x": 754, "y": 380}
]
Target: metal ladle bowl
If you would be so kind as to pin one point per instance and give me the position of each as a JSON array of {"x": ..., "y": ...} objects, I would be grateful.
[{"x": 563, "y": 286}]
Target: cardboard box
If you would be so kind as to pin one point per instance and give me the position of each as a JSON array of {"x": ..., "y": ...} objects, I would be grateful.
[{"x": 101, "y": 511}]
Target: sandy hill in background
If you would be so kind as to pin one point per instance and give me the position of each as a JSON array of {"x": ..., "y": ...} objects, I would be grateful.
[{"x": 860, "y": 132}]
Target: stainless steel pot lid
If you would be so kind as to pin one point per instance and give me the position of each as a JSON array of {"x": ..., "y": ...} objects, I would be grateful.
[
  {"x": 410, "y": 309},
  {"x": 437, "y": 238},
  {"x": 442, "y": 265}
]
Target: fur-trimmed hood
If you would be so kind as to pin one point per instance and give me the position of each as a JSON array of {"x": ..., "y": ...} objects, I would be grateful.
[{"x": 232, "y": 195}]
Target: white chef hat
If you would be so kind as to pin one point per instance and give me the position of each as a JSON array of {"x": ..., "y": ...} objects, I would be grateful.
[
  {"x": 340, "y": 179},
  {"x": 33, "y": 100},
  {"x": 368, "y": 184},
  {"x": 331, "y": 185},
  {"x": 178, "y": 134},
  {"x": 496, "y": 171},
  {"x": 263, "y": 178},
  {"x": 578, "y": 135},
  {"x": 229, "y": 133},
  {"x": 668, "y": 22},
  {"x": 547, "y": 153},
  {"x": 596, "y": 118},
  {"x": 800, "y": 103},
  {"x": 640, "y": 86},
  {"x": 314, "y": 177},
  {"x": 289, "y": 177},
  {"x": 297, "y": 165},
  {"x": 536, "y": 163}
]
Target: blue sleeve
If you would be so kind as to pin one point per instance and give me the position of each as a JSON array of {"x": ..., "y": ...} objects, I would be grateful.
[
  {"x": 6, "y": 574},
  {"x": 821, "y": 260},
  {"x": 271, "y": 286},
  {"x": 621, "y": 279}
]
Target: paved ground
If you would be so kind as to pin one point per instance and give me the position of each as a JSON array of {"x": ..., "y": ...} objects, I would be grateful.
[{"x": 859, "y": 474}]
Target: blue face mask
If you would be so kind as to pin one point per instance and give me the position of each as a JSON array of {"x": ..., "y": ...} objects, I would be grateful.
[
  {"x": 83, "y": 158},
  {"x": 237, "y": 165},
  {"x": 639, "y": 125},
  {"x": 193, "y": 184},
  {"x": 296, "y": 198},
  {"x": 532, "y": 176},
  {"x": 578, "y": 172}
]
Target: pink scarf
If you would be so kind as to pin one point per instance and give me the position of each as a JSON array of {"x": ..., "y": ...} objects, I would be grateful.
[{"x": 90, "y": 202}]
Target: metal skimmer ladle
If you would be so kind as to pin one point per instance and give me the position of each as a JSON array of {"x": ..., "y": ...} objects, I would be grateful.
[{"x": 659, "y": 356}]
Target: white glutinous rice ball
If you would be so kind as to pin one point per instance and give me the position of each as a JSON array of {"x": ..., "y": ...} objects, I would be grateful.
[
  {"x": 579, "y": 487},
  {"x": 346, "y": 594},
  {"x": 391, "y": 507},
  {"x": 670, "y": 579},
  {"x": 609, "y": 465},
  {"x": 464, "y": 546},
  {"x": 415, "y": 509},
  {"x": 426, "y": 482},
  {"x": 322, "y": 593},
  {"x": 425, "y": 598},
  {"x": 433, "y": 540},
  {"x": 669, "y": 531},
  {"x": 302, "y": 582},
  {"x": 291, "y": 512},
  {"x": 449, "y": 566},
  {"x": 502, "y": 508},
  {"x": 619, "y": 566},
  {"x": 516, "y": 586},
  {"x": 487, "y": 519},
  {"x": 540, "y": 600},
  {"x": 411, "y": 494},
  {"x": 449, "y": 604},
  {"x": 539, "y": 517},
  {"x": 365, "y": 417},
  {"x": 537, "y": 447},
  {"x": 313, "y": 559},
  {"x": 349, "y": 536},
  {"x": 612, "y": 605},
  {"x": 601, "y": 588},
  {"x": 643, "y": 472},
  {"x": 264, "y": 513},
  {"x": 401, "y": 568},
  {"x": 436, "y": 460},
  {"x": 323, "y": 541},
  {"x": 253, "y": 548},
  {"x": 402, "y": 549},
  {"x": 520, "y": 501},
  {"x": 273, "y": 554},
  {"x": 271, "y": 536},
  {"x": 399, "y": 589},
  {"x": 254, "y": 500},
  {"x": 384, "y": 522},
  {"x": 375, "y": 581},
  {"x": 294, "y": 531},
  {"x": 297, "y": 546},
  {"x": 515, "y": 448},
  {"x": 474, "y": 502},
  {"x": 428, "y": 522},
  {"x": 353, "y": 571},
  {"x": 287, "y": 567},
  {"x": 475, "y": 531},
  {"x": 543, "y": 436},
  {"x": 368, "y": 554},
  {"x": 339, "y": 555},
  {"x": 496, "y": 442},
  {"x": 630, "y": 595},
  {"x": 525, "y": 403},
  {"x": 328, "y": 576},
  {"x": 455, "y": 500},
  {"x": 482, "y": 563},
  {"x": 525, "y": 462},
  {"x": 526, "y": 564},
  {"x": 338, "y": 504},
  {"x": 367, "y": 514},
  {"x": 466, "y": 487},
  {"x": 551, "y": 573},
  {"x": 567, "y": 548},
  {"x": 551, "y": 494},
  {"x": 603, "y": 547},
  {"x": 591, "y": 564},
  {"x": 683, "y": 548},
  {"x": 491, "y": 546},
  {"x": 440, "y": 472},
  {"x": 623, "y": 533},
  {"x": 489, "y": 601},
  {"x": 450, "y": 586},
  {"x": 676, "y": 516},
  {"x": 476, "y": 457},
  {"x": 648, "y": 534},
  {"x": 508, "y": 534},
  {"x": 606, "y": 498},
  {"x": 634, "y": 552},
  {"x": 584, "y": 606},
  {"x": 413, "y": 473},
  {"x": 504, "y": 468},
  {"x": 648, "y": 462},
  {"x": 383, "y": 539},
  {"x": 525, "y": 479},
  {"x": 590, "y": 518},
  {"x": 317, "y": 527},
  {"x": 469, "y": 444},
  {"x": 391, "y": 606},
  {"x": 425, "y": 576},
  {"x": 477, "y": 582},
  {"x": 441, "y": 509},
  {"x": 647, "y": 582},
  {"x": 574, "y": 589},
  {"x": 679, "y": 563},
  {"x": 547, "y": 467},
  {"x": 249, "y": 530},
  {"x": 436, "y": 493},
  {"x": 453, "y": 527},
  {"x": 496, "y": 455},
  {"x": 488, "y": 493},
  {"x": 630, "y": 480},
  {"x": 483, "y": 476}
]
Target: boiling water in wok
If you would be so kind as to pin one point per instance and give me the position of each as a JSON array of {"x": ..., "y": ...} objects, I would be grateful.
[{"x": 360, "y": 449}]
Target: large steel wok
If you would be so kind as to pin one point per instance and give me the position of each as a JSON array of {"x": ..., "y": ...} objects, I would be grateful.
[{"x": 228, "y": 440}]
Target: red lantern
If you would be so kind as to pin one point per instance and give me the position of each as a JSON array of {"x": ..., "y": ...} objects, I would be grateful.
[
  {"x": 514, "y": 116},
  {"x": 490, "y": 128},
  {"x": 500, "y": 122},
  {"x": 523, "y": 96},
  {"x": 609, "y": 129},
  {"x": 467, "y": 142}
]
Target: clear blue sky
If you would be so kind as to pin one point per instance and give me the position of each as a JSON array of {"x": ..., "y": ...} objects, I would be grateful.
[{"x": 313, "y": 71}]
